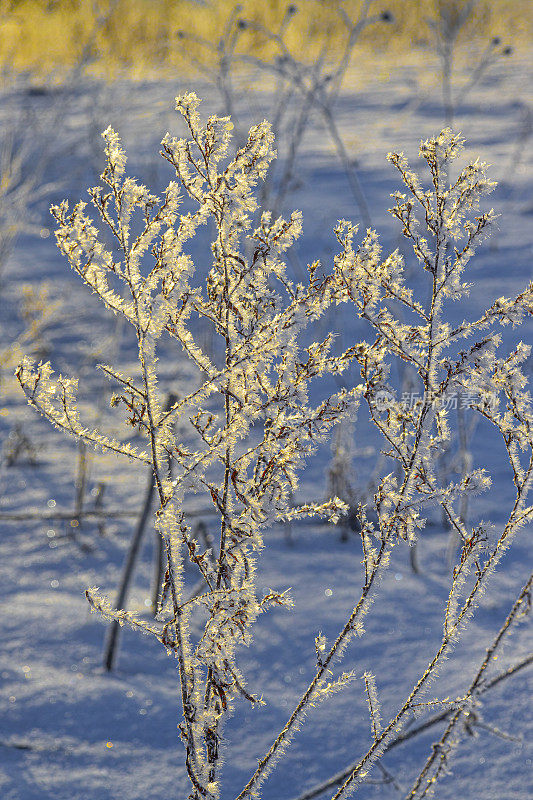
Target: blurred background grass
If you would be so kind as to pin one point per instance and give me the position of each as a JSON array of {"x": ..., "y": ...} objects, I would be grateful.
[{"x": 141, "y": 38}]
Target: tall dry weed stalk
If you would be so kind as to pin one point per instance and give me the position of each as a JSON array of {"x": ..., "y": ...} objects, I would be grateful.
[
  {"x": 262, "y": 381},
  {"x": 450, "y": 23}
]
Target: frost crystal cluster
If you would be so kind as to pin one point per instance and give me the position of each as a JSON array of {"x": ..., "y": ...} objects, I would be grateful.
[{"x": 253, "y": 421}]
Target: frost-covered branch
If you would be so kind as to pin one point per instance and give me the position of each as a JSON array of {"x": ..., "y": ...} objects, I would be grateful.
[
  {"x": 259, "y": 315},
  {"x": 261, "y": 377},
  {"x": 441, "y": 751},
  {"x": 417, "y": 432}
]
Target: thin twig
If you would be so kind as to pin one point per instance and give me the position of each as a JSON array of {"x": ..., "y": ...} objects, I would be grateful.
[{"x": 339, "y": 777}]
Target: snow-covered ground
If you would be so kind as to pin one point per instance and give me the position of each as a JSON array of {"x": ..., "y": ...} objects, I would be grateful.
[{"x": 68, "y": 730}]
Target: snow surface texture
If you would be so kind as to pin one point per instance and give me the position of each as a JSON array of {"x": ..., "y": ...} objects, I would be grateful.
[{"x": 71, "y": 731}]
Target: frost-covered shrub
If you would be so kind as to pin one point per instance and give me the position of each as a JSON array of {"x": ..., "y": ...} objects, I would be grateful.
[{"x": 262, "y": 380}]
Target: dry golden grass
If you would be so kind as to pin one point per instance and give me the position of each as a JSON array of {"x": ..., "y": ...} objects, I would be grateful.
[{"x": 145, "y": 37}]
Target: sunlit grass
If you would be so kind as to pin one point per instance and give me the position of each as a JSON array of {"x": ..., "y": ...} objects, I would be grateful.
[{"x": 156, "y": 37}]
